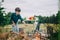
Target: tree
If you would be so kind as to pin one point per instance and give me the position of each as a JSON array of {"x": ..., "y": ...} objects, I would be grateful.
[
  {"x": 58, "y": 17},
  {"x": 53, "y": 19},
  {"x": 8, "y": 17},
  {"x": 58, "y": 21},
  {"x": 2, "y": 17}
]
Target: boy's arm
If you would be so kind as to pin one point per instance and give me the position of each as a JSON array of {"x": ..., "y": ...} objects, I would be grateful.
[{"x": 22, "y": 20}]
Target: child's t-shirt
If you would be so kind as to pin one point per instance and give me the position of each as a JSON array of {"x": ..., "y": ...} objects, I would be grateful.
[{"x": 15, "y": 17}]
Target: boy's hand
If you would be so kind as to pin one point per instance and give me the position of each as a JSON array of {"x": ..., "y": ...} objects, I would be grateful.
[
  {"x": 25, "y": 23},
  {"x": 13, "y": 23}
]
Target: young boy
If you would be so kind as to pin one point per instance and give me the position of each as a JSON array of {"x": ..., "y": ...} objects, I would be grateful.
[
  {"x": 14, "y": 19},
  {"x": 37, "y": 24}
]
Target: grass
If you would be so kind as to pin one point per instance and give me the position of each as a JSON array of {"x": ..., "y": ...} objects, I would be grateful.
[{"x": 28, "y": 28}]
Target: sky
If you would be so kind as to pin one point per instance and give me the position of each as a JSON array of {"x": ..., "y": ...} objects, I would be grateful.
[
  {"x": 32, "y": 7},
  {"x": 59, "y": 5}
]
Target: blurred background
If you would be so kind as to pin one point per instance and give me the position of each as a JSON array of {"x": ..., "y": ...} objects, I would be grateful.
[{"x": 46, "y": 11}]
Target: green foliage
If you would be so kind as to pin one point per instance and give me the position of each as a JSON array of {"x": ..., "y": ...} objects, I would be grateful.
[
  {"x": 7, "y": 16},
  {"x": 58, "y": 17},
  {"x": 24, "y": 18},
  {"x": 2, "y": 17},
  {"x": 59, "y": 32},
  {"x": 58, "y": 21},
  {"x": 51, "y": 19}
]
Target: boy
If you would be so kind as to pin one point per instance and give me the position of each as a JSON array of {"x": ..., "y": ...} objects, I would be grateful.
[
  {"x": 14, "y": 19},
  {"x": 37, "y": 23}
]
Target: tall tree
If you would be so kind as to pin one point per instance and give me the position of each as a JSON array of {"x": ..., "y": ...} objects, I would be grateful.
[
  {"x": 58, "y": 21},
  {"x": 53, "y": 19},
  {"x": 58, "y": 17},
  {"x": 2, "y": 17}
]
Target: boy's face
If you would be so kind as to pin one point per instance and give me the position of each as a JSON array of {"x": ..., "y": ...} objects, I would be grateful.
[{"x": 17, "y": 12}]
